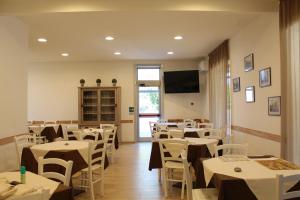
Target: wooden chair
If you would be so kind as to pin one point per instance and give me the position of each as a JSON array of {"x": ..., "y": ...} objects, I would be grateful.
[
  {"x": 282, "y": 193},
  {"x": 210, "y": 133},
  {"x": 172, "y": 162},
  {"x": 176, "y": 133},
  {"x": 21, "y": 142},
  {"x": 161, "y": 135},
  {"x": 107, "y": 126},
  {"x": 153, "y": 127},
  {"x": 109, "y": 137},
  {"x": 196, "y": 194},
  {"x": 94, "y": 173},
  {"x": 64, "y": 178},
  {"x": 232, "y": 149},
  {"x": 162, "y": 128},
  {"x": 189, "y": 123}
]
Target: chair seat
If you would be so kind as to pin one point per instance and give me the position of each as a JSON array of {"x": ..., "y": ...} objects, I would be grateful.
[
  {"x": 174, "y": 165},
  {"x": 205, "y": 194},
  {"x": 94, "y": 167}
]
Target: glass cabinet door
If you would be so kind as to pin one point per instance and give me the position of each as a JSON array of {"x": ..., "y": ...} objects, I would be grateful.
[
  {"x": 90, "y": 105},
  {"x": 108, "y": 106}
]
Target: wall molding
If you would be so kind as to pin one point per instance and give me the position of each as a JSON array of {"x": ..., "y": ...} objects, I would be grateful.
[
  {"x": 10, "y": 139},
  {"x": 257, "y": 133},
  {"x": 126, "y": 121}
]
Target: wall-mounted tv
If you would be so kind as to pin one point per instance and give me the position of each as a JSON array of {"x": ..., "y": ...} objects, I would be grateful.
[{"x": 182, "y": 81}]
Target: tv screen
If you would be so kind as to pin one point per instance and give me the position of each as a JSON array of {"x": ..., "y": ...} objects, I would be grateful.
[{"x": 182, "y": 81}]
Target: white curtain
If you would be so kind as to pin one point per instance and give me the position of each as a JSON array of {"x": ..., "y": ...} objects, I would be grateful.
[
  {"x": 290, "y": 79},
  {"x": 218, "y": 63}
]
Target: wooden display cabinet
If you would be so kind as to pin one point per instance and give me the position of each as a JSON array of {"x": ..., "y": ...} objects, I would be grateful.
[{"x": 99, "y": 105}]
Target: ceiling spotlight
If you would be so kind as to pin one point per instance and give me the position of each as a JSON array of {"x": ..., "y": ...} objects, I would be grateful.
[
  {"x": 42, "y": 40},
  {"x": 109, "y": 38},
  {"x": 170, "y": 53},
  {"x": 64, "y": 54},
  {"x": 117, "y": 53},
  {"x": 178, "y": 37}
]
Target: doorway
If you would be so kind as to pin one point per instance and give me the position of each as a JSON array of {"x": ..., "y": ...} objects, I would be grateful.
[{"x": 148, "y": 99}]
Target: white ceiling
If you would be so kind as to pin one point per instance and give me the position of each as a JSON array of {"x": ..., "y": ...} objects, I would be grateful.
[{"x": 139, "y": 35}]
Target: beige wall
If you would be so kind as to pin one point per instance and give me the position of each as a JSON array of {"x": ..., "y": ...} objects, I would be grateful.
[
  {"x": 52, "y": 90},
  {"x": 260, "y": 37},
  {"x": 13, "y": 85}
]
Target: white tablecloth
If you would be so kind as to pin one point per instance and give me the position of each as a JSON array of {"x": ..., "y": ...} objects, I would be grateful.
[
  {"x": 41, "y": 150},
  {"x": 260, "y": 179},
  {"x": 34, "y": 182},
  {"x": 77, "y": 133}
]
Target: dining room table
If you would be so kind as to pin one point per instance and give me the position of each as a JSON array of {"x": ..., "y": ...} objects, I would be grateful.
[
  {"x": 76, "y": 151},
  {"x": 198, "y": 148},
  {"x": 34, "y": 185},
  {"x": 249, "y": 178}
]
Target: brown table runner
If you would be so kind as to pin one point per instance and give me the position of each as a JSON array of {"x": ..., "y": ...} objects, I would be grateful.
[{"x": 28, "y": 160}]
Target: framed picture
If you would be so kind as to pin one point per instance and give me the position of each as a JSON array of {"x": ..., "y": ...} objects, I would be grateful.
[
  {"x": 274, "y": 106},
  {"x": 236, "y": 84},
  {"x": 265, "y": 77},
  {"x": 249, "y": 63},
  {"x": 250, "y": 94}
]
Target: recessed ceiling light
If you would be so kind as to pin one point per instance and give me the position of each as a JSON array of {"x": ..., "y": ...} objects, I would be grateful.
[
  {"x": 178, "y": 37},
  {"x": 117, "y": 53},
  {"x": 170, "y": 52},
  {"x": 42, "y": 40},
  {"x": 109, "y": 38},
  {"x": 64, "y": 54}
]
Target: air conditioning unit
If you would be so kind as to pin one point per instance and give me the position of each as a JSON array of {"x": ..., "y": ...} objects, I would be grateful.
[{"x": 203, "y": 65}]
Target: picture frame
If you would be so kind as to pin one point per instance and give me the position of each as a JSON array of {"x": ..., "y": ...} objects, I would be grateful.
[
  {"x": 274, "y": 106},
  {"x": 236, "y": 85},
  {"x": 249, "y": 62},
  {"x": 250, "y": 94},
  {"x": 265, "y": 77}
]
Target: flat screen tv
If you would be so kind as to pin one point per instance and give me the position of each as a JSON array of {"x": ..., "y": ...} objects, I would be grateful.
[{"x": 182, "y": 81}]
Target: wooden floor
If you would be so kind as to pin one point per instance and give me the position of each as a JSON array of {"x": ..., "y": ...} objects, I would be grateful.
[{"x": 128, "y": 178}]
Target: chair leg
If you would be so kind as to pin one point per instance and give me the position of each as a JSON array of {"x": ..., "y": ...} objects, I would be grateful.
[
  {"x": 183, "y": 185},
  {"x": 165, "y": 177},
  {"x": 102, "y": 188},
  {"x": 91, "y": 187},
  {"x": 159, "y": 175}
]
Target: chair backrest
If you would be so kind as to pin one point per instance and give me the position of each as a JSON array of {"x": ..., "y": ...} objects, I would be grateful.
[
  {"x": 65, "y": 179},
  {"x": 153, "y": 127},
  {"x": 64, "y": 128},
  {"x": 282, "y": 192},
  {"x": 97, "y": 151},
  {"x": 205, "y": 125},
  {"x": 189, "y": 183},
  {"x": 21, "y": 142},
  {"x": 92, "y": 136},
  {"x": 189, "y": 123},
  {"x": 37, "y": 129},
  {"x": 161, "y": 128},
  {"x": 176, "y": 133},
  {"x": 210, "y": 133},
  {"x": 232, "y": 149},
  {"x": 170, "y": 150},
  {"x": 161, "y": 135},
  {"x": 109, "y": 135},
  {"x": 107, "y": 126}
]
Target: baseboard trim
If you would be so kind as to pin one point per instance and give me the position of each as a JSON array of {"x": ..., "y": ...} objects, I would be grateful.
[
  {"x": 9, "y": 139},
  {"x": 257, "y": 133}
]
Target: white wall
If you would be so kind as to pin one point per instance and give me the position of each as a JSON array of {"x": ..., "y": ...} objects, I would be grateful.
[
  {"x": 53, "y": 95},
  {"x": 13, "y": 85},
  {"x": 260, "y": 37}
]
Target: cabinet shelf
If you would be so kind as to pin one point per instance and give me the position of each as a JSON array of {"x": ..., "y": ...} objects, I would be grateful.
[
  {"x": 108, "y": 113},
  {"x": 112, "y": 105},
  {"x": 90, "y": 113}
]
